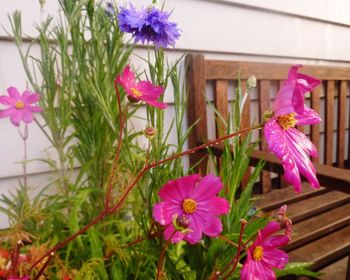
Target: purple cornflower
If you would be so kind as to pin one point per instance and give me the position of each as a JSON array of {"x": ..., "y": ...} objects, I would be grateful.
[{"x": 149, "y": 25}]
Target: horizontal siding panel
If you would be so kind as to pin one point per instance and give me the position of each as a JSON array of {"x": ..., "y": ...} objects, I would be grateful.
[
  {"x": 326, "y": 10},
  {"x": 234, "y": 29}
]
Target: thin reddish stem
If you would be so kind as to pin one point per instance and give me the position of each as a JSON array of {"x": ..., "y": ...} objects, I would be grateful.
[
  {"x": 44, "y": 267},
  {"x": 15, "y": 257},
  {"x": 70, "y": 238},
  {"x": 120, "y": 140},
  {"x": 224, "y": 238},
  {"x": 235, "y": 260},
  {"x": 162, "y": 256},
  {"x": 114, "y": 209}
]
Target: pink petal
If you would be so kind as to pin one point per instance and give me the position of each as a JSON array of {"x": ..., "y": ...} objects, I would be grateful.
[
  {"x": 169, "y": 233},
  {"x": 29, "y": 98},
  {"x": 307, "y": 83},
  {"x": 308, "y": 116},
  {"x": 163, "y": 212},
  {"x": 277, "y": 143},
  {"x": 214, "y": 205},
  {"x": 300, "y": 151},
  {"x": 298, "y": 101},
  {"x": 16, "y": 117},
  {"x": 271, "y": 228},
  {"x": 27, "y": 116},
  {"x": 275, "y": 258},
  {"x": 13, "y": 92},
  {"x": 179, "y": 189},
  {"x": 7, "y": 100},
  {"x": 127, "y": 79},
  {"x": 150, "y": 90},
  {"x": 208, "y": 187},
  {"x": 275, "y": 241},
  {"x": 7, "y": 112},
  {"x": 212, "y": 226},
  {"x": 257, "y": 270},
  {"x": 34, "y": 108},
  {"x": 298, "y": 138},
  {"x": 195, "y": 234},
  {"x": 283, "y": 101},
  {"x": 156, "y": 104},
  {"x": 290, "y": 98}
]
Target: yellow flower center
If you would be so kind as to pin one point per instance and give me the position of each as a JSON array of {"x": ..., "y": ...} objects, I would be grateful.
[
  {"x": 258, "y": 253},
  {"x": 189, "y": 205},
  {"x": 287, "y": 121},
  {"x": 136, "y": 92},
  {"x": 19, "y": 105}
]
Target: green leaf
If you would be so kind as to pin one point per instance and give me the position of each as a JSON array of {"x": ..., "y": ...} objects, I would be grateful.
[{"x": 298, "y": 269}]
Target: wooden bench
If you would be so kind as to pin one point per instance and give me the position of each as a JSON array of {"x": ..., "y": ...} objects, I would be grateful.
[{"x": 321, "y": 217}]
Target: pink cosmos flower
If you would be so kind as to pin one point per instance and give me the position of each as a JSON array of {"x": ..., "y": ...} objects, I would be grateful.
[
  {"x": 191, "y": 203},
  {"x": 263, "y": 255},
  {"x": 143, "y": 90},
  {"x": 19, "y": 106},
  {"x": 290, "y": 145}
]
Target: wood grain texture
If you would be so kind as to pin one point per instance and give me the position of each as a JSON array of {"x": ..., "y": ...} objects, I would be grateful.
[
  {"x": 341, "y": 129},
  {"x": 329, "y": 122},
  {"x": 221, "y": 105},
  {"x": 220, "y": 69},
  {"x": 197, "y": 112}
]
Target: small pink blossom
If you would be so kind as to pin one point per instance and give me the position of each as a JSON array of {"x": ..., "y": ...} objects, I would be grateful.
[
  {"x": 143, "y": 90},
  {"x": 19, "y": 278},
  {"x": 264, "y": 254},
  {"x": 191, "y": 203},
  {"x": 291, "y": 146},
  {"x": 19, "y": 106}
]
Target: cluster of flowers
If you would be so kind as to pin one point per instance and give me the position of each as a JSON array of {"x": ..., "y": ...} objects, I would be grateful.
[{"x": 189, "y": 206}]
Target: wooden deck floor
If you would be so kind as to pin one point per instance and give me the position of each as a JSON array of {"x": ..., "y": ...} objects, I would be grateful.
[{"x": 321, "y": 227}]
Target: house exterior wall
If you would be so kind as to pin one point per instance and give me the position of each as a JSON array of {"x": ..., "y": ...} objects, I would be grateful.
[{"x": 306, "y": 32}]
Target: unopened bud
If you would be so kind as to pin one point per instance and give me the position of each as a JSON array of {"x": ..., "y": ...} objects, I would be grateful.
[
  {"x": 58, "y": 83},
  {"x": 42, "y": 3},
  {"x": 150, "y": 132},
  {"x": 181, "y": 224},
  {"x": 251, "y": 82},
  {"x": 267, "y": 115}
]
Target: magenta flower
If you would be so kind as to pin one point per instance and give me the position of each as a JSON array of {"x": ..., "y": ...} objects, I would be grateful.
[
  {"x": 191, "y": 203},
  {"x": 143, "y": 90},
  {"x": 263, "y": 255},
  {"x": 291, "y": 146},
  {"x": 19, "y": 278},
  {"x": 19, "y": 106}
]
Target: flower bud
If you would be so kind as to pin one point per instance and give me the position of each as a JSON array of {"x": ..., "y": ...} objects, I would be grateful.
[
  {"x": 251, "y": 82},
  {"x": 42, "y": 3},
  {"x": 181, "y": 224},
  {"x": 150, "y": 132}
]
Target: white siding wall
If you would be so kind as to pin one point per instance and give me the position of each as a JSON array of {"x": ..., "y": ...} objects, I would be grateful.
[{"x": 312, "y": 32}]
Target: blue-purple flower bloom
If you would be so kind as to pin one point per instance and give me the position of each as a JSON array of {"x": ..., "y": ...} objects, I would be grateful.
[{"x": 148, "y": 25}]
